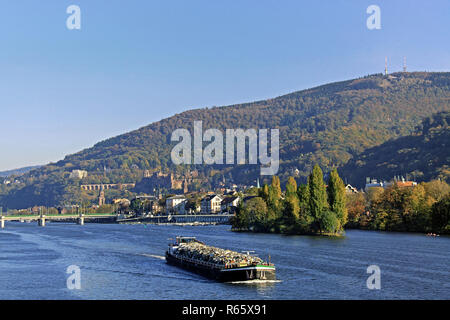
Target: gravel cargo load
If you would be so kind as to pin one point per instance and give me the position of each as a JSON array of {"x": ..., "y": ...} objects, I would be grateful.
[{"x": 200, "y": 251}]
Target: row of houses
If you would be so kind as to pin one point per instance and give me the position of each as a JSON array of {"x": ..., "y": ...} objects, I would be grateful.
[
  {"x": 401, "y": 182},
  {"x": 229, "y": 201},
  {"x": 210, "y": 204},
  {"x": 374, "y": 183}
]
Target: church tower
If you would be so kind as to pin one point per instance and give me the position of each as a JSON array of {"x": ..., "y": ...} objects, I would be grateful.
[{"x": 101, "y": 198}]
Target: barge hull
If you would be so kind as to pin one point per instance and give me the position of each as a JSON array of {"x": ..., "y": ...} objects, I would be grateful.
[{"x": 224, "y": 275}]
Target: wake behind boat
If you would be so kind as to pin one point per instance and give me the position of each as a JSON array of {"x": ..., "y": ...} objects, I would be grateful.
[{"x": 218, "y": 264}]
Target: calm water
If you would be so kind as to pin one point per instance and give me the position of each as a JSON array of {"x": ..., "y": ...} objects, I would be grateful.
[{"x": 126, "y": 262}]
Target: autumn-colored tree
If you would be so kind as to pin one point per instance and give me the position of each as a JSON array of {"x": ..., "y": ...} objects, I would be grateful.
[
  {"x": 374, "y": 194},
  {"x": 386, "y": 209},
  {"x": 291, "y": 187},
  {"x": 417, "y": 210},
  {"x": 291, "y": 204},
  {"x": 274, "y": 200},
  {"x": 356, "y": 208},
  {"x": 436, "y": 189}
]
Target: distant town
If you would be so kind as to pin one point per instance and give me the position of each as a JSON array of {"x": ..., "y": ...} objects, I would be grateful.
[{"x": 171, "y": 196}]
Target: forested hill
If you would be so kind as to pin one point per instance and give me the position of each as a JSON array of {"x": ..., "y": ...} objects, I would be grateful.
[
  {"x": 327, "y": 125},
  {"x": 424, "y": 155}
]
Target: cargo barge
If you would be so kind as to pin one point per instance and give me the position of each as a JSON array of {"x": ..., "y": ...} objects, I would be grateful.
[{"x": 217, "y": 264}]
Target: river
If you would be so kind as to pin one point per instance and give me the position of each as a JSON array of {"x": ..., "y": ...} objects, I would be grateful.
[{"x": 127, "y": 262}]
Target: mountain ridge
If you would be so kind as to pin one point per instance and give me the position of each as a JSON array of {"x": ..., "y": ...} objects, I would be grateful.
[
  {"x": 18, "y": 171},
  {"x": 327, "y": 124}
]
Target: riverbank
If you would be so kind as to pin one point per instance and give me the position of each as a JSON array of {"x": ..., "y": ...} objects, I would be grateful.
[
  {"x": 293, "y": 233},
  {"x": 337, "y": 235}
]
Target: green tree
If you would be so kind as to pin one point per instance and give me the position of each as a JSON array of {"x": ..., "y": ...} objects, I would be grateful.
[
  {"x": 317, "y": 197},
  {"x": 329, "y": 221},
  {"x": 305, "y": 219},
  {"x": 257, "y": 213},
  {"x": 380, "y": 220},
  {"x": 291, "y": 210},
  {"x": 337, "y": 199},
  {"x": 241, "y": 220},
  {"x": 303, "y": 194},
  {"x": 264, "y": 192}
]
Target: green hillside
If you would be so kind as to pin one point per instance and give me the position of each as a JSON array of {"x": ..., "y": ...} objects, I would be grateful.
[
  {"x": 422, "y": 156},
  {"x": 327, "y": 125}
]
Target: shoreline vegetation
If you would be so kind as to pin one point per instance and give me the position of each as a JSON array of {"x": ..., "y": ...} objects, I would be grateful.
[
  {"x": 327, "y": 210},
  {"x": 311, "y": 209},
  {"x": 424, "y": 208}
]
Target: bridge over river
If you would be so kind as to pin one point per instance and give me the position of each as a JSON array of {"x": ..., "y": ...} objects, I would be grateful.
[
  {"x": 114, "y": 218},
  {"x": 42, "y": 218}
]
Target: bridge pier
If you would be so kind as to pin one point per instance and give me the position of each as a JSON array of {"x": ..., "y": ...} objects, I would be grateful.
[
  {"x": 2, "y": 222},
  {"x": 41, "y": 221},
  {"x": 80, "y": 220}
]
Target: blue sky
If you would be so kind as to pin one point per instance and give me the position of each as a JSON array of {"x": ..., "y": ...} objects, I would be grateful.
[{"x": 136, "y": 62}]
